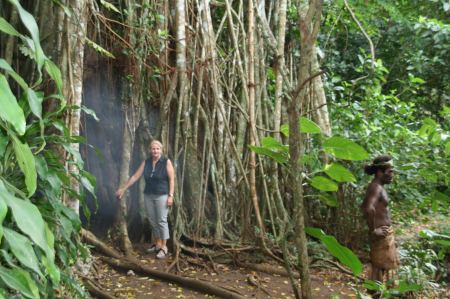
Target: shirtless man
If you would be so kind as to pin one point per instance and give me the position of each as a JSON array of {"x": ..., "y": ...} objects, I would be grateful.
[{"x": 383, "y": 254}]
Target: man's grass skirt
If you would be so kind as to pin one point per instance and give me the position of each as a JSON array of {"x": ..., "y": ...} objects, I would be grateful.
[{"x": 383, "y": 253}]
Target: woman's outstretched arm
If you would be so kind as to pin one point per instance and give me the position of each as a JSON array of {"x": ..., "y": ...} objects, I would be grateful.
[{"x": 136, "y": 176}]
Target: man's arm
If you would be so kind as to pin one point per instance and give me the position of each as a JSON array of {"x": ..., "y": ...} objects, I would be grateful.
[{"x": 372, "y": 196}]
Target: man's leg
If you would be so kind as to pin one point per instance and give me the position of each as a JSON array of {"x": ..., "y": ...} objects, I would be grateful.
[{"x": 376, "y": 274}]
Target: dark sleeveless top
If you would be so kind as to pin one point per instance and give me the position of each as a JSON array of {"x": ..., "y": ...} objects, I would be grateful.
[{"x": 156, "y": 180}]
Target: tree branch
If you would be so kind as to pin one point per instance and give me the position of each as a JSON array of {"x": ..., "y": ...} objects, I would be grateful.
[{"x": 372, "y": 48}]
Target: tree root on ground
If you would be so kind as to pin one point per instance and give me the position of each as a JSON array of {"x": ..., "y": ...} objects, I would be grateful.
[
  {"x": 201, "y": 286},
  {"x": 115, "y": 259},
  {"x": 269, "y": 269},
  {"x": 99, "y": 245},
  {"x": 201, "y": 253},
  {"x": 200, "y": 265},
  {"x": 176, "y": 260},
  {"x": 94, "y": 290},
  {"x": 340, "y": 268},
  {"x": 203, "y": 242}
]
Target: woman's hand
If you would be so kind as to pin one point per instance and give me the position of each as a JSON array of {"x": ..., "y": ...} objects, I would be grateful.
[
  {"x": 169, "y": 201},
  {"x": 119, "y": 193}
]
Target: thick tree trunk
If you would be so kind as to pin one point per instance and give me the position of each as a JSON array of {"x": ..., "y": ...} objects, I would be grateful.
[
  {"x": 124, "y": 175},
  {"x": 181, "y": 68},
  {"x": 74, "y": 83}
]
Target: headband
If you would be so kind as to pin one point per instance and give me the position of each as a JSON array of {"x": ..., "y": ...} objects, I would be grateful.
[{"x": 387, "y": 163}]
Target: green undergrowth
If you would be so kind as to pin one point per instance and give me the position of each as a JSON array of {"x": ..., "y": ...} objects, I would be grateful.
[{"x": 39, "y": 234}]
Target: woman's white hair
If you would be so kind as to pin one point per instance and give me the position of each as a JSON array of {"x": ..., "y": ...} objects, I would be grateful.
[{"x": 158, "y": 143}]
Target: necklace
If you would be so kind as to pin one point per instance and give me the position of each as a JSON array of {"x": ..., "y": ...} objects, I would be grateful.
[{"x": 154, "y": 166}]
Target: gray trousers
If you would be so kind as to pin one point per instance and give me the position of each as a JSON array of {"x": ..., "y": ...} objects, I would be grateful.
[{"x": 157, "y": 210}]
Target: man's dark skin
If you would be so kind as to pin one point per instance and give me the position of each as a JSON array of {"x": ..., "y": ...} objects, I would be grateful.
[{"x": 375, "y": 208}]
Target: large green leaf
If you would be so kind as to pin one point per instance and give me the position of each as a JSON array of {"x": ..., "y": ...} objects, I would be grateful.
[
  {"x": 323, "y": 184},
  {"x": 306, "y": 126},
  {"x": 52, "y": 270},
  {"x": 272, "y": 148},
  {"x": 18, "y": 279},
  {"x": 5, "y": 66},
  {"x": 10, "y": 110},
  {"x": 35, "y": 101},
  {"x": 90, "y": 112},
  {"x": 344, "y": 148},
  {"x": 73, "y": 217},
  {"x": 88, "y": 181},
  {"x": 75, "y": 154},
  {"x": 339, "y": 173},
  {"x": 30, "y": 23},
  {"x": 22, "y": 250},
  {"x": 285, "y": 130},
  {"x": 28, "y": 219},
  {"x": 328, "y": 199},
  {"x": 49, "y": 176},
  {"x": 274, "y": 145},
  {"x": 55, "y": 74},
  {"x": 315, "y": 232},
  {"x": 66, "y": 227},
  {"x": 7, "y": 28},
  {"x": 27, "y": 164},
  {"x": 342, "y": 253},
  {"x": 49, "y": 262}
]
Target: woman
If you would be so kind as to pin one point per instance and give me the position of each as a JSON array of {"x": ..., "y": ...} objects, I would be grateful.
[{"x": 159, "y": 186}]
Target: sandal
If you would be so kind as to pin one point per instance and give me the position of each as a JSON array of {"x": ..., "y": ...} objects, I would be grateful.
[
  {"x": 153, "y": 249},
  {"x": 162, "y": 253}
]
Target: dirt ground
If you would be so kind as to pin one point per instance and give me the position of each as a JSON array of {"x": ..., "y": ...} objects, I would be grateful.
[{"x": 325, "y": 282}]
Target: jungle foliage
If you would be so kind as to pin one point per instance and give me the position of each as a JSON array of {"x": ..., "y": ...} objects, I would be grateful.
[{"x": 38, "y": 233}]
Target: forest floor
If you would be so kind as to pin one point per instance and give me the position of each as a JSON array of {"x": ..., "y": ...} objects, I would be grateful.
[{"x": 327, "y": 282}]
